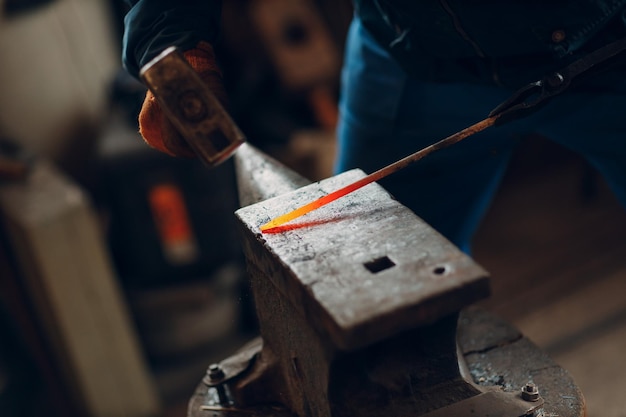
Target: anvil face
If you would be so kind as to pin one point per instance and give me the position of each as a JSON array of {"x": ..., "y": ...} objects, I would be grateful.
[{"x": 363, "y": 268}]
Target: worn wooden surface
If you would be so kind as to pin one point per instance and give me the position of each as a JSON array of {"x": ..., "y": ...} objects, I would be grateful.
[{"x": 78, "y": 305}]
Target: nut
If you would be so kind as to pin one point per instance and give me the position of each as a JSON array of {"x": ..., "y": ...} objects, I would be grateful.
[
  {"x": 530, "y": 392},
  {"x": 215, "y": 372}
]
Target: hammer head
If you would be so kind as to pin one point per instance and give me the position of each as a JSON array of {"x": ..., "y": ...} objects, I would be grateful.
[{"x": 191, "y": 107}]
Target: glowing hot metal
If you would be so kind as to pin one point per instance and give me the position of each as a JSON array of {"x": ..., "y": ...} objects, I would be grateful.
[{"x": 377, "y": 175}]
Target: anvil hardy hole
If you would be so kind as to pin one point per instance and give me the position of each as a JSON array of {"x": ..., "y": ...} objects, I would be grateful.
[
  {"x": 379, "y": 264},
  {"x": 440, "y": 270}
]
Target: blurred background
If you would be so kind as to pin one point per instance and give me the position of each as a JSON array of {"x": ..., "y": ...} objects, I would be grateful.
[{"x": 121, "y": 273}]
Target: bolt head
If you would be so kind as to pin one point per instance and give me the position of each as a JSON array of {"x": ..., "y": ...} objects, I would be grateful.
[
  {"x": 215, "y": 372},
  {"x": 555, "y": 80},
  {"x": 530, "y": 392}
]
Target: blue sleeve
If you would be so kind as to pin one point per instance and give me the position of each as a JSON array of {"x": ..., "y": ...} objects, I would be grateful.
[{"x": 152, "y": 25}]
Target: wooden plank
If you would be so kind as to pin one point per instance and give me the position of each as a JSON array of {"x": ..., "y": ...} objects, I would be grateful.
[
  {"x": 541, "y": 240},
  {"x": 61, "y": 254},
  {"x": 598, "y": 367},
  {"x": 57, "y": 63},
  {"x": 576, "y": 313}
]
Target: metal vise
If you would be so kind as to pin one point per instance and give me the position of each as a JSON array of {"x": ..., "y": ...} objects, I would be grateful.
[{"x": 358, "y": 307}]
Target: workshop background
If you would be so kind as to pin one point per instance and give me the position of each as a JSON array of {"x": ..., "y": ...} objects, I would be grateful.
[{"x": 121, "y": 274}]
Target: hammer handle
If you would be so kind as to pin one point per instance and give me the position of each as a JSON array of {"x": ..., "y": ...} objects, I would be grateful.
[{"x": 191, "y": 107}]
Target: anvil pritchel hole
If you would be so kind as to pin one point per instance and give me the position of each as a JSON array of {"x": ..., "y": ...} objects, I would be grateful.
[
  {"x": 440, "y": 270},
  {"x": 379, "y": 264}
]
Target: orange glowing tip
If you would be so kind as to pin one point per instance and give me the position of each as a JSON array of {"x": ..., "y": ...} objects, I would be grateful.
[{"x": 381, "y": 173}]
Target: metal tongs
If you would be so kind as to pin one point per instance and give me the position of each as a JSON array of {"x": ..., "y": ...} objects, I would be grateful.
[
  {"x": 533, "y": 96},
  {"x": 523, "y": 102}
]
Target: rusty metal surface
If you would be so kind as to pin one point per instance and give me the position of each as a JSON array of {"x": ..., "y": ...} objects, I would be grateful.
[
  {"x": 203, "y": 403},
  {"x": 236, "y": 364},
  {"x": 301, "y": 356},
  {"x": 362, "y": 269},
  {"x": 489, "y": 404},
  {"x": 506, "y": 361},
  {"x": 412, "y": 373},
  {"x": 191, "y": 107},
  {"x": 375, "y": 280}
]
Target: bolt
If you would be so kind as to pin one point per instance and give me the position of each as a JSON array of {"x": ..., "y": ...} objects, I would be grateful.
[
  {"x": 215, "y": 372},
  {"x": 555, "y": 80},
  {"x": 222, "y": 397},
  {"x": 530, "y": 392}
]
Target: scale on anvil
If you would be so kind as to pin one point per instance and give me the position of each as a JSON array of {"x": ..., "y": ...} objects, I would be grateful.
[{"x": 361, "y": 313}]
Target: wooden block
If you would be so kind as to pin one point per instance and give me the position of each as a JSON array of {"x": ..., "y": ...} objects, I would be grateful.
[
  {"x": 57, "y": 63},
  {"x": 598, "y": 367},
  {"x": 61, "y": 256}
]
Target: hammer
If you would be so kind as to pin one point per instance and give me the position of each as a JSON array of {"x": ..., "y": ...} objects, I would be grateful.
[{"x": 192, "y": 108}]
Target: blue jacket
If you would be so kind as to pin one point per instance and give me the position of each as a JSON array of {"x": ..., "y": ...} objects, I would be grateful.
[
  {"x": 152, "y": 25},
  {"x": 502, "y": 42},
  {"x": 494, "y": 41}
]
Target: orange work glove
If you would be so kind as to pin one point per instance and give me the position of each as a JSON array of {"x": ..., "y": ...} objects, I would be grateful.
[{"x": 154, "y": 126}]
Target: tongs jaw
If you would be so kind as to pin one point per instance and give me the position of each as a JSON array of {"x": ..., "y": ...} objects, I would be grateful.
[{"x": 533, "y": 96}]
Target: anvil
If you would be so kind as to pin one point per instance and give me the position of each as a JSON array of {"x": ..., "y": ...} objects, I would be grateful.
[{"x": 362, "y": 312}]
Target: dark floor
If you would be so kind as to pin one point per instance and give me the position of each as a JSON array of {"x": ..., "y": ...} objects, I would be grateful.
[{"x": 555, "y": 245}]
